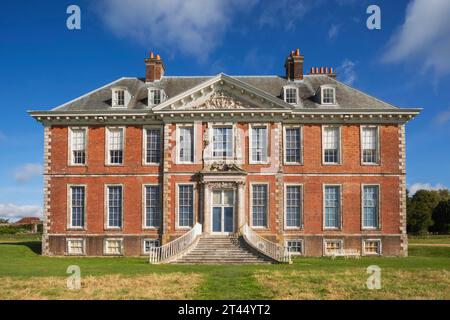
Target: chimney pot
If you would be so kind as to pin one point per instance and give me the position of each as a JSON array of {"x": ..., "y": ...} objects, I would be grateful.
[
  {"x": 331, "y": 70},
  {"x": 294, "y": 65},
  {"x": 154, "y": 68},
  {"x": 321, "y": 70}
]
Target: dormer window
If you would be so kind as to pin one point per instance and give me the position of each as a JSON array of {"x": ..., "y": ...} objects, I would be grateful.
[
  {"x": 328, "y": 95},
  {"x": 155, "y": 96},
  {"x": 120, "y": 97},
  {"x": 291, "y": 95}
]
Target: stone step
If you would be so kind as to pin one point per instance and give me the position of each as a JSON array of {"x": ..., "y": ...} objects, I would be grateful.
[{"x": 221, "y": 250}]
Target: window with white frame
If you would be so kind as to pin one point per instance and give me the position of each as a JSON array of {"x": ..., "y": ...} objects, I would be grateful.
[
  {"x": 290, "y": 95},
  {"x": 293, "y": 145},
  {"x": 372, "y": 247},
  {"x": 293, "y": 210},
  {"x": 118, "y": 98},
  {"x": 333, "y": 247},
  {"x": 75, "y": 246},
  {"x": 114, "y": 206},
  {"x": 259, "y": 205},
  {"x": 332, "y": 207},
  {"x": 369, "y": 144},
  {"x": 370, "y": 207},
  {"x": 77, "y": 206},
  {"x": 154, "y": 97},
  {"x": 328, "y": 95},
  {"x": 113, "y": 246},
  {"x": 78, "y": 146},
  {"x": 153, "y": 145},
  {"x": 295, "y": 246},
  {"x": 115, "y": 145},
  {"x": 152, "y": 207},
  {"x": 185, "y": 205},
  {"x": 222, "y": 142},
  {"x": 186, "y": 143},
  {"x": 331, "y": 145},
  {"x": 150, "y": 243},
  {"x": 258, "y": 144}
]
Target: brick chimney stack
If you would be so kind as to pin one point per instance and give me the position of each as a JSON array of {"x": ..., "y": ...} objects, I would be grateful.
[
  {"x": 154, "y": 68},
  {"x": 294, "y": 65}
]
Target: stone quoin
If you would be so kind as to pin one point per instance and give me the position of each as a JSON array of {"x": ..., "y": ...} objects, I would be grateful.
[{"x": 304, "y": 160}]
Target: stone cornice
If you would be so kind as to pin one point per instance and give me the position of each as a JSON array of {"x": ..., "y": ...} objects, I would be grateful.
[{"x": 241, "y": 115}]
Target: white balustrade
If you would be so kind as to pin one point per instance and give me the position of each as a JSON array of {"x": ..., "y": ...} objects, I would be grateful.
[
  {"x": 271, "y": 249},
  {"x": 174, "y": 248}
]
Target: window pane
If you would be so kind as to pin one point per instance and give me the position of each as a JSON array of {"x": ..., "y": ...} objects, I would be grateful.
[
  {"x": 155, "y": 96},
  {"x": 222, "y": 142},
  {"x": 185, "y": 205},
  {"x": 115, "y": 146},
  {"x": 228, "y": 197},
  {"x": 120, "y": 97},
  {"x": 259, "y": 144},
  {"x": 295, "y": 246},
  {"x": 291, "y": 95},
  {"x": 186, "y": 144},
  {"x": 332, "y": 206},
  {"x": 328, "y": 95},
  {"x": 293, "y": 206},
  {"x": 370, "y": 206},
  {"x": 152, "y": 206},
  {"x": 115, "y": 206},
  {"x": 153, "y": 145},
  {"x": 77, "y": 198},
  {"x": 370, "y": 145},
  {"x": 259, "y": 202},
  {"x": 293, "y": 145},
  {"x": 78, "y": 146},
  {"x": 331, "y": 144}
]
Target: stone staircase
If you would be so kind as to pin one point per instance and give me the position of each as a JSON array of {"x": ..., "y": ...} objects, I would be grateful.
[{"x": 222, "y": 250}]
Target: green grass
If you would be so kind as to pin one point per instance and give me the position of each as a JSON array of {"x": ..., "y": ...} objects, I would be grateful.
[
  {"x": 321, "y": 278},
  {"x": 429, "y": 239}
]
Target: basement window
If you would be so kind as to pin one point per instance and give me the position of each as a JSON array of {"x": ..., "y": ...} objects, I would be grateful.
[
  {"x": 149, "y": 243},
  {"x": 75, "y": 247},
  {"x": 372, "y": 247},
  {"x": 295, "y": 246},
  {"x": 113, "y": 247}
]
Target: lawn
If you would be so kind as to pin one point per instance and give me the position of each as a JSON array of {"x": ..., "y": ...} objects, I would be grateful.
[{"x": 24, "y": 274}]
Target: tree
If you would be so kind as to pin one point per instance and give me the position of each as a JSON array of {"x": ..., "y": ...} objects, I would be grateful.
[
  {"x": 441, "y": 218},
  {"x": 4, "y": 221},
  {"x": 420, "y": 208}
]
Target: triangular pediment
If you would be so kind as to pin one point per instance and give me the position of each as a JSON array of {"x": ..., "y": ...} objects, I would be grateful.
[{"x": 222, "y": 93}]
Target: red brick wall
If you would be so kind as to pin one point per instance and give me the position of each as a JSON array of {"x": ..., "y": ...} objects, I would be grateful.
[{"x": 134, "y": 174}]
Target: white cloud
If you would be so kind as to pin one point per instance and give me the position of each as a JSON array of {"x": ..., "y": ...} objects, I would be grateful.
[
  {"x": 424, "y": 37},
  {"x": 15, "y": 212},
  {"x": 27, "y": 172},
  {"x": 424, "y": 186},
  {"x": 192, "y": 27},
  {"x": 333, "y": 31},
  {"x": 346, "y": 72}
]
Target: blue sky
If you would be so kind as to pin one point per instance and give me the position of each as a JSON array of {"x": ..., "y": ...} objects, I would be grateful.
[{"x": 43, "y": 64}]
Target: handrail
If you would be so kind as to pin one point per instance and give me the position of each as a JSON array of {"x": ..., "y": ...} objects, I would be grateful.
[
  {"x": 175, "y": 247},
  {"x": 271, "y": 249}
]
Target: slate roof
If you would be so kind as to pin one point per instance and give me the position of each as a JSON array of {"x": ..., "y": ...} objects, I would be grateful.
[{"x": 346, "y": 97}]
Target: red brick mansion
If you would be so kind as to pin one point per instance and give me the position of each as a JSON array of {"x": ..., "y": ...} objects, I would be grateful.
[{"x": 302, "y": 161}]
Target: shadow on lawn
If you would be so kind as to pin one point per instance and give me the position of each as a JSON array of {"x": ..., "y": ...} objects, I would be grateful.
[{"x": 35, "y": 246}]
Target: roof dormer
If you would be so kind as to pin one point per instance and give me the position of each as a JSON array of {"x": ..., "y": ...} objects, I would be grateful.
[
  {"x": 327, "y": 95},
  {"x": 290, "y": 95},
  {"x": 155, "y": 96},
  {"x": 120, "y": 97}
]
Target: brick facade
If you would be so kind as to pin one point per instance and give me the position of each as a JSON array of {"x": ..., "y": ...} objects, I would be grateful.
[{"x": 351, "y": 174}]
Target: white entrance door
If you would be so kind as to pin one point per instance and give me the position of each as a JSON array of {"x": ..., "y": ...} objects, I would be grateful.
[{"x": 222, "y": 211}]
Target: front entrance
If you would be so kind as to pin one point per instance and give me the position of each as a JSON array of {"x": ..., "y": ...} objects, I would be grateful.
[{"x": 222, "y": 211}]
